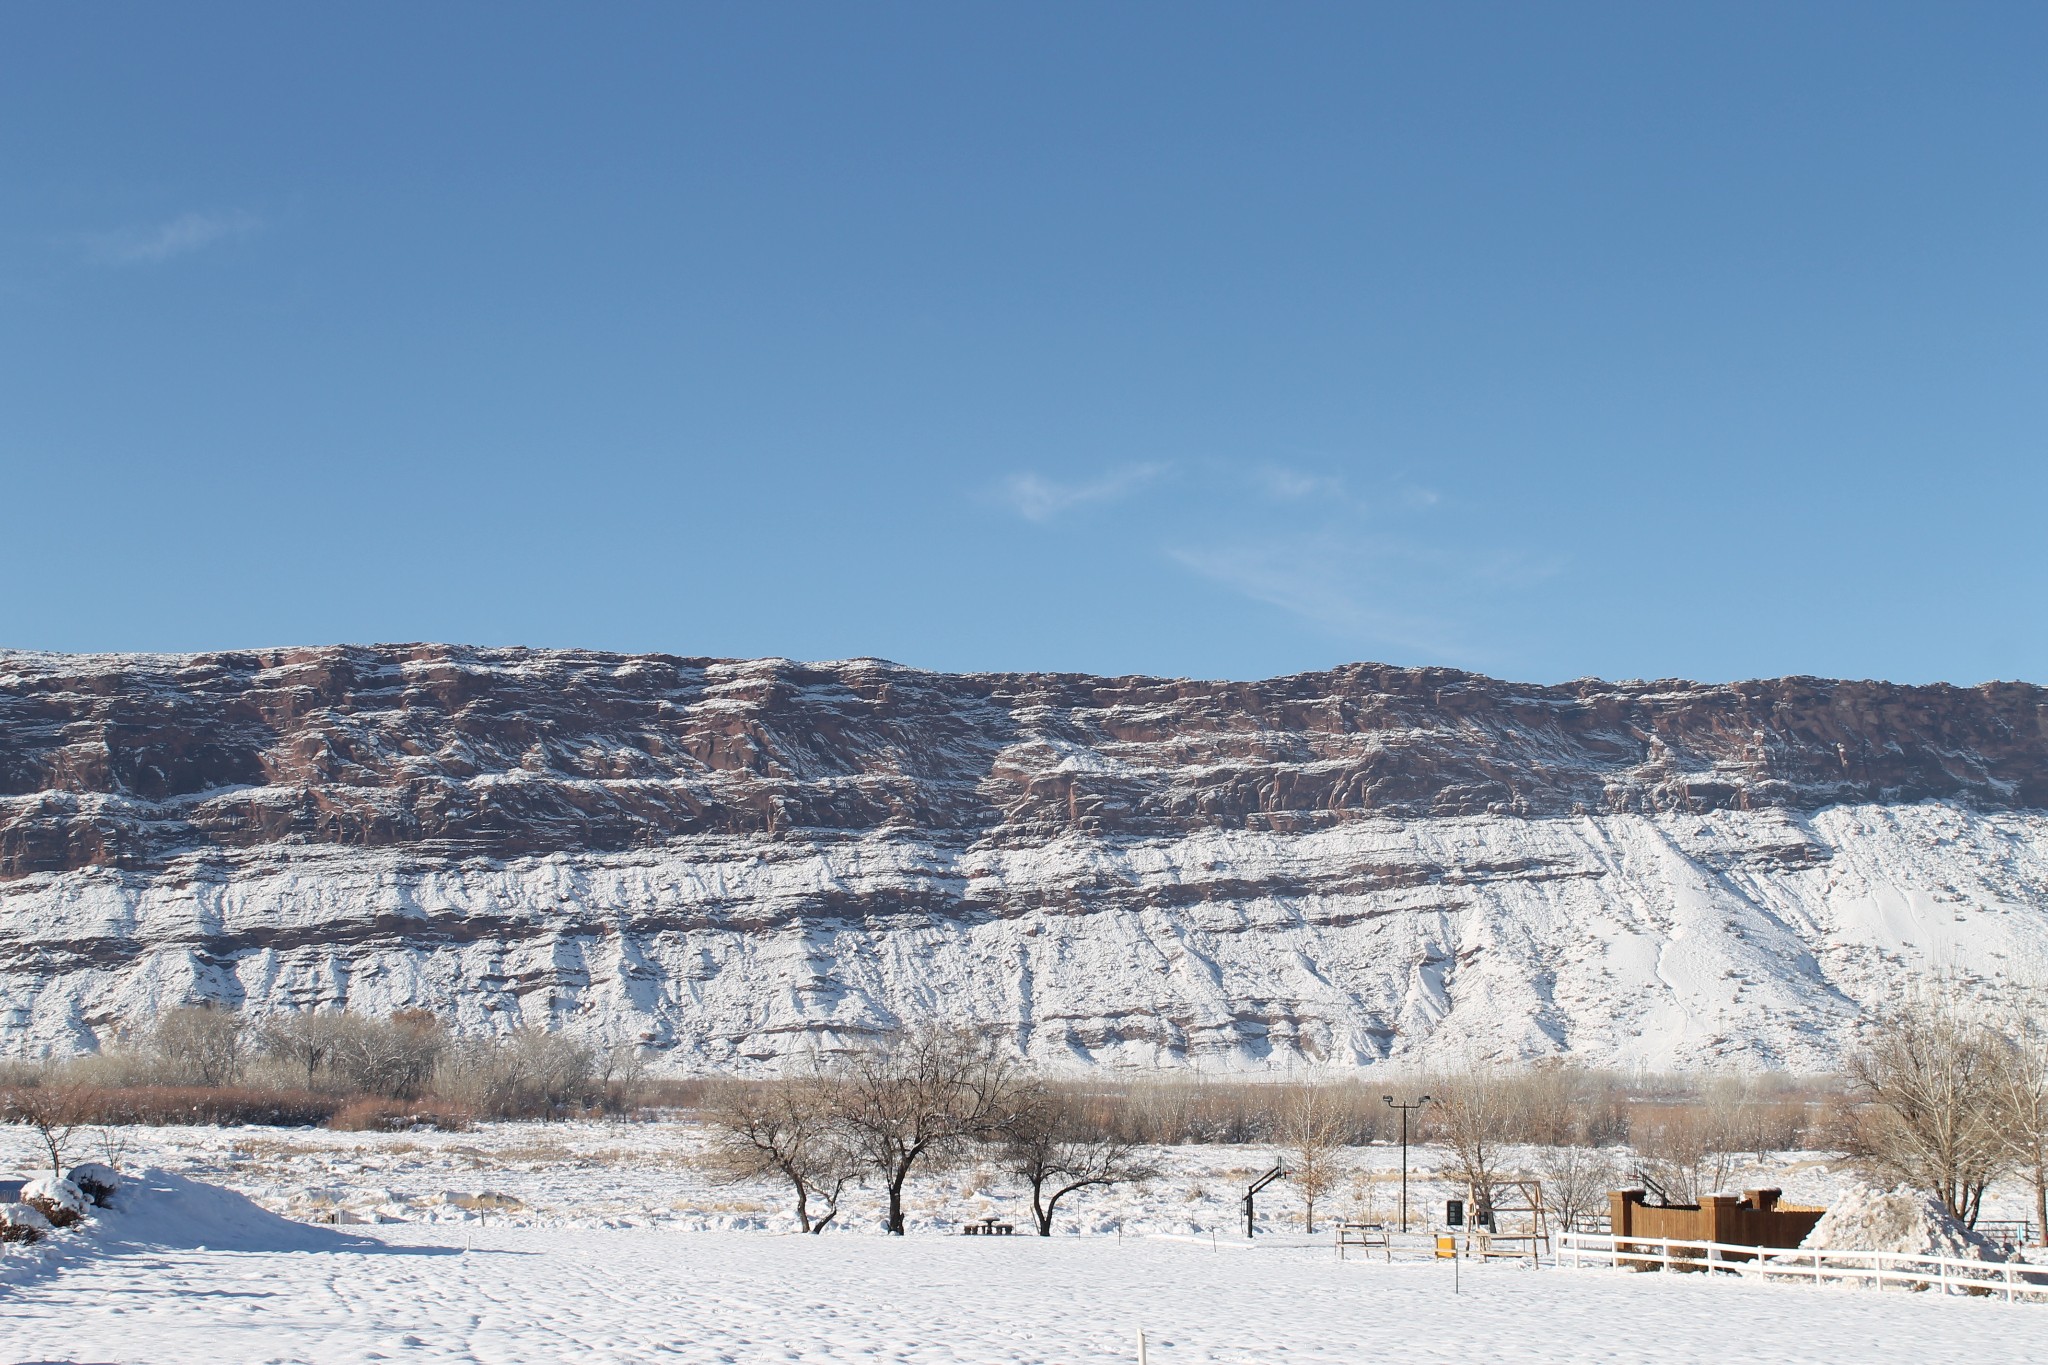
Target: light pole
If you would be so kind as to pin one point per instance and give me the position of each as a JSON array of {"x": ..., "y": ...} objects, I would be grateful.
[{"x": 1405, "y": 1109}]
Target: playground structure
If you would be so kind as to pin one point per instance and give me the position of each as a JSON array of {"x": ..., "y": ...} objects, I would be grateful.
[
  {"x": 1251, "y": 1228},
  {"x": 1507, "y": 1222}
]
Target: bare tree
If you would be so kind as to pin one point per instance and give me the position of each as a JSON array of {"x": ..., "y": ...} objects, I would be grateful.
[
  {"x": 921, "y": 1094},
  {"x": 1312, "y": 1130},
  {"x": 529, "y": 1071},
  {"x": 200, "y": 1043},
  {"x": 53, "y": 1111},
  {"x": 1576, "y": 1181},
  {"x": 301, "y": 1041},
  {"x": 2023, "y": 1116},
  {"x": 393, "y": 1057},
  {"x": 621, "y": 1072},
  {"x": 1935, "y": 1073},
  {"x": 1058, "y": 1148},
  {"x": 1685, "y": 1151},
  {"x": 783, "y": 1128},
  {"x": 1473, "y": 1113}
]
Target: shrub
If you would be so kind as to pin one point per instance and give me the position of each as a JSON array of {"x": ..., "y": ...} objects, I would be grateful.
[
  {"x": 98, "y": 1182},
  {"x": 21, "y": 1224},
  {"x": 60, "y": 1201},
  {"x": 181, "y": 1105}
]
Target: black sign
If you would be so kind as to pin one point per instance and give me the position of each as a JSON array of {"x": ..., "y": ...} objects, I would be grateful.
[{"x": 1454, "y": 1213}]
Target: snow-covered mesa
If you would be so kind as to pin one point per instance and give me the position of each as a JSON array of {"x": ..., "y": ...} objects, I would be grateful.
[{"x": 738, "y": 862}]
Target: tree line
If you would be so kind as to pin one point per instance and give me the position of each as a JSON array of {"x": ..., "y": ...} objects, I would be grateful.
[
  {"x": 204, "y": 1063},
  {"x": 1943, "y": 1095},
  {"x": 908, "y": 1099}
]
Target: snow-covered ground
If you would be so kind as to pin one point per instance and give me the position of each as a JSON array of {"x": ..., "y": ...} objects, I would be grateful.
[
  {"x": 651, "y": 1175},
  {"x": 189, "y": 1273}
]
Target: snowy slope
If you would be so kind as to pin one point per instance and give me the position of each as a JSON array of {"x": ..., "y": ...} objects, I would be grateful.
[{"x": 1664, "y": 940}]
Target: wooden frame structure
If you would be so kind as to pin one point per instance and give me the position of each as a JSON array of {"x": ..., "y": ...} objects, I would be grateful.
[
  {"x": 1513, "y": 1225},
  {"x": 1370, "y": 1236}
]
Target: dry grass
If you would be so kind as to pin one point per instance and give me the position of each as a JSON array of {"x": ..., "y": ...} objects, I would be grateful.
[
  {"x": 487, "y": 1202},
  {"x": 172, "y": 1105},
  {"x": 390, "y": 1116}
]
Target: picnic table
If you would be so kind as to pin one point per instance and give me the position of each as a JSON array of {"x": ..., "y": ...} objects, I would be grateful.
[
  {"x": 1367, "y": 1235},
  {"x": 987, "y": 1227}
]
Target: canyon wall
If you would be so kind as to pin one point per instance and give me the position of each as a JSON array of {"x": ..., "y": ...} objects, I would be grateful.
[{"x": 739, "y": 861}]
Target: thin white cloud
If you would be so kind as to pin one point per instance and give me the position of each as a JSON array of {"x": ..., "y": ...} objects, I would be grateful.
[
  {"x": 1292, "y": 485},
  {"x": 1331, "y": 582},
  {"x": 1367, "y": 560},
  {"x": 180, "y": 236},
  {"x": 1037, "y": 498}
]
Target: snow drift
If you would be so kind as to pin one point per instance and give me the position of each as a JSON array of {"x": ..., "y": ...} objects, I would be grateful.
[{"x": 1904, "y": 1220}]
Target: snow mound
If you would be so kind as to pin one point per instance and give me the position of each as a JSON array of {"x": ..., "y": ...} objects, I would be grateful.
[
  {"x": 159, "y": 1209},
  {"x": 1864, "y": 1218}
]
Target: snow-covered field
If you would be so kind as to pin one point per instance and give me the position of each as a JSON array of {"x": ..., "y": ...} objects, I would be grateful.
[
  {"x": 187, "y": 1272},
  {"x": 608, "y": 1241},
  {"x": 597, "y": 1176}
]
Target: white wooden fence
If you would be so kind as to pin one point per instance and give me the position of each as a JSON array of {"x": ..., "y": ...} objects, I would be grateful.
[{"x": 2014, "y": 1281}]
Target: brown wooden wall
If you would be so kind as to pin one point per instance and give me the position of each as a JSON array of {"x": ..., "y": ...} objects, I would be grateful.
[{"x": 1756, "y": 1219}]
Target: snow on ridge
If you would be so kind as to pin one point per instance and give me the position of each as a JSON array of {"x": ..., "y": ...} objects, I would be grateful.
[{"x": 1746, "y": 939}]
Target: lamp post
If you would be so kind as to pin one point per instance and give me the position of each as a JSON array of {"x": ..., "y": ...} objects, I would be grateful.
[{"x": 1405, "y": 1109}]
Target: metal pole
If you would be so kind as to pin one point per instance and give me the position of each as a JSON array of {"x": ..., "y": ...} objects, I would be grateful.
[
  {"x": 1404, "y": 1168},
  {"x": 1404, "y": 1108}
]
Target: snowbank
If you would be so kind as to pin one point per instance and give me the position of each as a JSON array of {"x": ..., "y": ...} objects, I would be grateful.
[
  {"x": 158, "y": 1210},
  {"x": 1864, "y": 1218}
]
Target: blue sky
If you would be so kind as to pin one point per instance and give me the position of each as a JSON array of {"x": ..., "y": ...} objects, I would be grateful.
[{"x": 1226, "y": 340}]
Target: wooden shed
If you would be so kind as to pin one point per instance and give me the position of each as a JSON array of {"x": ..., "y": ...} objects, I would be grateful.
[{"x": 1759, "y": 1218}]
